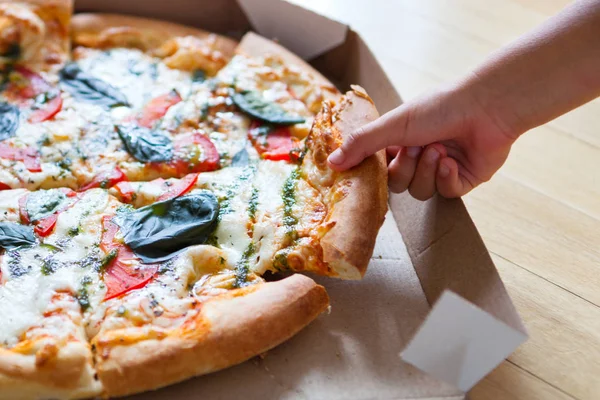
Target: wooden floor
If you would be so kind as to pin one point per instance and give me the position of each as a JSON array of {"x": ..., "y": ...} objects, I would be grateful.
[{"x": 540, "y": 215}]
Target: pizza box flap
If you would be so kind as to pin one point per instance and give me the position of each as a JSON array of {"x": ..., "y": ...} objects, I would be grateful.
[{"x": 432, "y": 296}]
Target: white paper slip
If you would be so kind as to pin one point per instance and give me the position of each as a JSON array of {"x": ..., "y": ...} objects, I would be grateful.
[{"x": 459, "y": 343}]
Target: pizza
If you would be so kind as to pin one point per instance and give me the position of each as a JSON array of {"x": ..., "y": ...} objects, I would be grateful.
[{"x": 164, "y": 199}]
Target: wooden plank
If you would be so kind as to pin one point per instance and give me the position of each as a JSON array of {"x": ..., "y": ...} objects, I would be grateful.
[
  {"x": 564, "y": 344},
  {"x": 541, "y": 234},
  {"x": 560, "y": 166},
  {"x": 509, "y": 382}
]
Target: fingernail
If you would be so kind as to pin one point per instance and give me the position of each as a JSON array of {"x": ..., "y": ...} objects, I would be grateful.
[
  {"x": 443, "y": 170},
  {"x": 413, "y": 151},
  {"x": 432, "y": 156},
  {"x": 337, "y": 157}
]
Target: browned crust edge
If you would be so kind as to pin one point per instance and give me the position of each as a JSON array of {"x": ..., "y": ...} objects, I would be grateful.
[
  {"x": 229, "y": 331},
  {"x": 68, "y": 375},
  {"x": 155, "y": 31},
  {"x": 348, "y": 246},
  {"x": 254, "y": 45}
]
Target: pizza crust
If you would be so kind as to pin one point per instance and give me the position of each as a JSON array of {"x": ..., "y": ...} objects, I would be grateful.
[
  {"x": 67, "y": 375},
  {"x": 93, "y": 29},
  {"x": 348, "y": 245},
  {"x": 228, "y": 330},
  {"x": 254, "y": 45}
]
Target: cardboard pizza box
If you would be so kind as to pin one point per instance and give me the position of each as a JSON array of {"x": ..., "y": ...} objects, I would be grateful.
[{"x": 431, "y": 317}]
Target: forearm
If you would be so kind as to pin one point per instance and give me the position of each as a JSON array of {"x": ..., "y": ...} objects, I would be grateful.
[{"x": 545, "y": 73}]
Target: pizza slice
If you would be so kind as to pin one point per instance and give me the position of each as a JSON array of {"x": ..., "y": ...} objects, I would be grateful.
[
  {"x": 151, "y": 289},
  {"x": 34, "y": 43}
]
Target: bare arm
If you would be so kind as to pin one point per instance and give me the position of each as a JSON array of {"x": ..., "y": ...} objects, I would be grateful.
[{"x": 457, "y": 137}]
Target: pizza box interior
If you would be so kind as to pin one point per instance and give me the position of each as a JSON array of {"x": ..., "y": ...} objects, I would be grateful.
[{"x": 431, "y": 317}]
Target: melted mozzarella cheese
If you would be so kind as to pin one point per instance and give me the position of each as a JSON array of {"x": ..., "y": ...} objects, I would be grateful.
[
  {"x": 138, "y": 76},
  {"x": 268, "y": 229},
  {"x": 32, "y": 276}
]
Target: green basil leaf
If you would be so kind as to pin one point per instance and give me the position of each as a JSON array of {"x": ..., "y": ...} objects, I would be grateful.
[
  {"x": 162, "y": 230},
  {"x": 43, "y": 203},
  {"x": 198, "y": 76},
  {"x": 240, "y": 159},
  {"x": 14, "y": 235},
  {"x": 9, "y": 120},
  {"x": 144, "y": 144},
  {"x": 84, "y": 86},
  {"x": 254, "y": 104}
]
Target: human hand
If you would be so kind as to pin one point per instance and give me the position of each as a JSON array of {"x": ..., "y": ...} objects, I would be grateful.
[{"x": 446, "y": 142}]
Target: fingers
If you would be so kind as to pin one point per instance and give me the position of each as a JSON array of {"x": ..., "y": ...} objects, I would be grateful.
[
  {"x": 425, "y": 120},
  {"x": 449, "y": 182},
  {"x": 423, "y": 184},
  {"x": 402, "y": 168},
  {"x": 425, "y": 171},
  {"x": 374, "y": 136}
]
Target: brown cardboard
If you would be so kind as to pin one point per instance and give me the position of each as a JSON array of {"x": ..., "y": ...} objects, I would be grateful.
[{"x": 423, "y": 250}]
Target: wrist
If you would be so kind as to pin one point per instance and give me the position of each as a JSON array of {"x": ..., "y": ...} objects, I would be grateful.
[{"x": 489, "y": 107}]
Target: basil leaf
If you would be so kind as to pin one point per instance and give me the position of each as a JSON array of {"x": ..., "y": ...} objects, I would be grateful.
[
  {"x": 14, "y": 235},
  {"x": 254, "y": 104},
  {"x": 84, "y": 86},
  {"x": 162, "y": 230},
  {"x": 240, "y": 159},
  {"x": 43, "y": 203},
  {"x": 9, "y": 120},
  {"x": 144, "y": 144},
  {"x": 198, "y": 76}
]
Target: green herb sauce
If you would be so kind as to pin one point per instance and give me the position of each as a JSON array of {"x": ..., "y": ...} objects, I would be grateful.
[
  {"x": 243, "y": 267},
  {"x": 288, "y": 193},
  {"x": 82, "y": 295},
  {"x": 253, "y": 204}
]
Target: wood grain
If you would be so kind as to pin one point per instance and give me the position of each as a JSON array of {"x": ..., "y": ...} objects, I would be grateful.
[{"x": 540, "y": 216}]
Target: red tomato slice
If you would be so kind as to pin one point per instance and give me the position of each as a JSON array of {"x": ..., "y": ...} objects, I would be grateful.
[
  {"x": 125, "y": 190},
  {"x": 276, "y": 145},
  {"x": 179, "y": 188},
  {"x": 48, "y": 110},
  {"x": 4, "y": 186},
  {"x": 23, "y": 210},
  {"x": 106, "y": 179},
  {"x": 125, "y": 272},
  {"x": 157, "y": 108},
  {"x": 209, "y": 159},
  {"x": 29, "y": 156},
  {"x": 30, "y": 86},
  {"x": 45, "y": 226}
]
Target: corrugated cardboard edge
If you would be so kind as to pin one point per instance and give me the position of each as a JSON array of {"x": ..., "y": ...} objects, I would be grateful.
[
  {"x": 222, "y": 16},
  {"x": 302, "y": 31}
]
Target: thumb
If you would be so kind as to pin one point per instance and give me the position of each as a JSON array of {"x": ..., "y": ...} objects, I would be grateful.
[{"x": 417, "y": 123}]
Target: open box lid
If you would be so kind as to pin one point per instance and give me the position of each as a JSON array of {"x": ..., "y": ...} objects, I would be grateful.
[{"x": 472, "y": 325}]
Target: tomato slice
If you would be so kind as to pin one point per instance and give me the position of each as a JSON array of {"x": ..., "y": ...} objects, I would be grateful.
[
  {"x": 45, "y": 226},
  {"x": 157, "y": 108},
  {"x": 179, "y": 188},
  {"x": 106, "y": 179},
  {"x": 209, "y": 156},
  {"x": 28, "y": 86},
  {"x": 278, "y": 144},
  {"x": 48, "y": 110},
  {"x": 125, "y": 190},
  {"x": 125, "y": 272},
  {"x": 23, "y": 210},
  {"x": 4, "y": 186},
  {"x": 29, "y": 156}
]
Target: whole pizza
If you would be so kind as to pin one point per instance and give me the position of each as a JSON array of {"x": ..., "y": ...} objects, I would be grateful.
[{"x": 160, "y": 189}]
